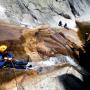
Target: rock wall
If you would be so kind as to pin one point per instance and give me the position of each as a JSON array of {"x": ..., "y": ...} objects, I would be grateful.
[{"x": 33, "y": 12}]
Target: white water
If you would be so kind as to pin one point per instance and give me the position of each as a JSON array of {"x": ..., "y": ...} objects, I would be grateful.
[{"x": 52, "y": 61}]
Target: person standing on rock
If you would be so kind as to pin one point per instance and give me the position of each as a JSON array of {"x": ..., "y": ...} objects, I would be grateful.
[
  {"x": 60, "y": 23},
  {"x": 65, "y": 26}
]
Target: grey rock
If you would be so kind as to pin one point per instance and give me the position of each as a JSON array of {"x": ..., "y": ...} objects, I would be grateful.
[{"x": 34, "y": 12}]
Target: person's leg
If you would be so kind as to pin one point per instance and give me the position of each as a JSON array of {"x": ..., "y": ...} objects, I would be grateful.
[
  {"x": 2, "y": 63},
  {"x": 21, "y": 62}
]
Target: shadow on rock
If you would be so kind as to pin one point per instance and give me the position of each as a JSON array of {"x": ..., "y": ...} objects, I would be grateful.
[
  {"x": 70, "y": 82},
  {"x": 85, "y": 62}
]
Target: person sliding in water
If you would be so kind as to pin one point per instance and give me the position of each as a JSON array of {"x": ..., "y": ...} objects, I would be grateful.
[
  {"x": 5, "y": 56},
  {"x": 7, "y": 59}
]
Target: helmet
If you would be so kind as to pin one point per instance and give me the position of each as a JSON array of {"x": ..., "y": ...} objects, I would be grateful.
[{"x": 3, "y": 48}]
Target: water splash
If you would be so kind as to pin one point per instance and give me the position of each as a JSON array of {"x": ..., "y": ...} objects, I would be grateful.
[{"x": 50, "y": 64}]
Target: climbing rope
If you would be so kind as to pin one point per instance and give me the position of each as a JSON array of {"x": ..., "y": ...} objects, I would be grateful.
[{"x": 15, "y": 75}]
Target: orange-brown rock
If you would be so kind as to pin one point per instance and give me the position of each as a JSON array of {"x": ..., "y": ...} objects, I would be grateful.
[
  {"x": 84, "y": 27},
  {"x": 39, "y": 42},
  {"x": 46, "y": 42}
]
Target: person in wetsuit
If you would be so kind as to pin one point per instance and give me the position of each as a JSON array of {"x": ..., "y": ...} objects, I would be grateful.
[
  {"x": 7, "y": 59},
  {"x": 5, "y": 56}
]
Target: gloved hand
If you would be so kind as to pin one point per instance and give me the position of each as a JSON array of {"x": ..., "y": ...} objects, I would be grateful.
[{"x": 7, "y": 59}]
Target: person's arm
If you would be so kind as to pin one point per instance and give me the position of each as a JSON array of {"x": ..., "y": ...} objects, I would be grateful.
[{"x": 1, "y": 57}]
